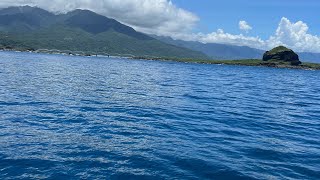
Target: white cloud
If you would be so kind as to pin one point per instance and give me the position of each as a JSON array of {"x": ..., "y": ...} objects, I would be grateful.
[
  {"x": 244, "y": 26},
  {"x": 295, "y": 36},
  {"x": 290, "y": 34},
  {"x": 160, "y": 17},
  {"x": 226, "y": 38}
]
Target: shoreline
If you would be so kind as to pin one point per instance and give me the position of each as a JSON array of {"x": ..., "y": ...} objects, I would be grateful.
[
  {"x": 64, "y": 53},
  {"x": 244, "y": 62}
]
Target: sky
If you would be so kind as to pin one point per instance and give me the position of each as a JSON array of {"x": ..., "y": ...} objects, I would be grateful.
[
  {"x": 263, "y": 15},
  {"x": 261, "y": 24}
]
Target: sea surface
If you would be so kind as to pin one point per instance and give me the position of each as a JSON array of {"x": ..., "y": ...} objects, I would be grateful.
[{"x": 64, "y": 117}]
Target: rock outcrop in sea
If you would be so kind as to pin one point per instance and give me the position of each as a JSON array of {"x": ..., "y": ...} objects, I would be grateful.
[{"x": 282, "y": 54}]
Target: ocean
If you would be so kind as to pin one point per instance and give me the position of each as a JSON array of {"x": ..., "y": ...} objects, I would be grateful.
[{"x": 65, "y": 117}]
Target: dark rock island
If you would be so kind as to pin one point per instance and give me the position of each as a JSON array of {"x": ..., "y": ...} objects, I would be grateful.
[{"x": 282, "y": 54}]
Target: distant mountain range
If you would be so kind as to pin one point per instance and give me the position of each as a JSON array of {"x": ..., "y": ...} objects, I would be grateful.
[
  {"x": 32, "y": 28},
  {"x": 80, "y": 31},
  {"x": 217, "y": 51},
  {"x": 230, "y": 52}
]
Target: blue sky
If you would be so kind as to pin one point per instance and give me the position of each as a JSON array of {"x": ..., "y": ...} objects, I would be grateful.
[
  {"x": 261, "y": 24},
  {"x": 263, "y": 15}
]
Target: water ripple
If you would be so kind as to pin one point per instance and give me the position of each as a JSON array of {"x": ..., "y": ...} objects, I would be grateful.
[{"x": 93, "y": 118}]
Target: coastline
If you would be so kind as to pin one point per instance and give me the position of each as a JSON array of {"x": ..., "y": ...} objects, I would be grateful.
[{"x": 244, "y": 62}]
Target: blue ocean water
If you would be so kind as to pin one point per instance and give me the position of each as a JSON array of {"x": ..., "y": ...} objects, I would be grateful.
[{"x": 64, "y": 117}]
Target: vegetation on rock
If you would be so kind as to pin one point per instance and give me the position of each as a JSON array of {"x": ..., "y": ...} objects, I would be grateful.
[{"x": 282, "y": 54}]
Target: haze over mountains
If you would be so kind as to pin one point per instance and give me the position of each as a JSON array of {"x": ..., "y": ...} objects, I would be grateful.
[
  {"x": 231, "y": 52},
  {"x": 85, "y": 31}
]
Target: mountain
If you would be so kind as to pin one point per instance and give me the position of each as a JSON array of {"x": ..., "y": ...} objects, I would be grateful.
[
  {"x": 216, "y": 51},
  {"x": 94, "y": 23},
  {"x": 80, "y": 31},
  {"x": 24, "y": 19},
  {"x": 309, "y": 57},
  {"x": 230, "y": 52}
]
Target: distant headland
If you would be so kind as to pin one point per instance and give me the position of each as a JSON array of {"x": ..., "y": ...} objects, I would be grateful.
[{"x": 279, "y": 57}]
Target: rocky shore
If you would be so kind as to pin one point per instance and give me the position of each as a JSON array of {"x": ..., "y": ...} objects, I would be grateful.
[{"x": 279, "y": 57}]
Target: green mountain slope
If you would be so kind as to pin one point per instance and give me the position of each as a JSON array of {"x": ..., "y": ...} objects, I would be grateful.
[
  {"x": 80, "y": 31},
  {"x": 24, "y": 19}
]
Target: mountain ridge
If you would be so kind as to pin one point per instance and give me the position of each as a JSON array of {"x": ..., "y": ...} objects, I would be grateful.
[{"x": 80, "y": 30}]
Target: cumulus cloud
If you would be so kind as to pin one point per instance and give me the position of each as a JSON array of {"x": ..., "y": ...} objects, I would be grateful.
[
  {"x": 244, "y": 26},
  {"x": 226, "y": 38},
  {"x": 293, "y": 35},
  {"x": 159, "y": 17}
]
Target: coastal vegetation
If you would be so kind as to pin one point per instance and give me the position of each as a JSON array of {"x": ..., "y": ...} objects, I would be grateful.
[
  {"x": 244, "y": 62},
  {"x": 278, "y": 57}
]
